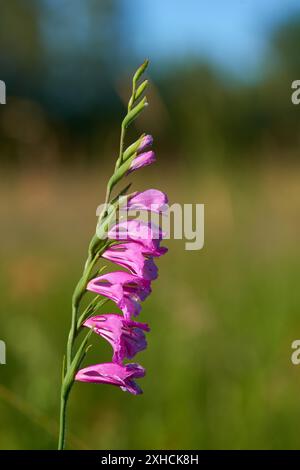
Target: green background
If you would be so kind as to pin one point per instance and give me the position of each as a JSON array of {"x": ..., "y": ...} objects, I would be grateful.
[{"x": 219, "y": 371}]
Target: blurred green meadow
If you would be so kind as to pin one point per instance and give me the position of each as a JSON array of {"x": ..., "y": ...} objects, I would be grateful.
[
  {"x": 219, "y": 373},
  {"x": 219, "y": 370}
]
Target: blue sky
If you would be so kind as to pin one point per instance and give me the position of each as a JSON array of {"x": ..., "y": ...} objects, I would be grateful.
[{"x": 231, "y": 33}]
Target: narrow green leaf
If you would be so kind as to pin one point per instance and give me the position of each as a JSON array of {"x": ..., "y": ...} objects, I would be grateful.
[
  {"x": 140, "y": 90},
  {"x": 133, "y": 114},
  {"x": 79, "y": 356},
  {"x": 86, "y": 315},
  {"x": 118, "y": 175},
  {"x": 121, "y": 193},
  {"x": 132, "y": 148},
  {"x": 140, "y": 70}
]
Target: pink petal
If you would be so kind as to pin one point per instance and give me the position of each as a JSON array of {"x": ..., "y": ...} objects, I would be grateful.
[
  {"x": 150, "y": 200},
  {"x": 114, "y": 374}
]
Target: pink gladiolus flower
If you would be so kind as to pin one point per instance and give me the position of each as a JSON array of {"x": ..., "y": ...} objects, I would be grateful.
[
  {"x": 132, "y": 245},
  {"x": 127, "y": 337},
  {"x": 126, "y": 289},
  {"x": 114, "y": 374},
  {"x": 148, "y": 234},
  {"x": 142, "y": 159},
  {"x": 146, "y": 142},
  {"x": 132, "y": 256},
  {"x": 150, "y": 200}
]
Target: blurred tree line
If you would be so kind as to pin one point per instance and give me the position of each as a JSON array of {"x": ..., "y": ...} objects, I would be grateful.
[{"x": 66, "y": 67}]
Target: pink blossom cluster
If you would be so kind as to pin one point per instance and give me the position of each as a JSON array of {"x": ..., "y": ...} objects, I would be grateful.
[{"x": 134, "y": 246}]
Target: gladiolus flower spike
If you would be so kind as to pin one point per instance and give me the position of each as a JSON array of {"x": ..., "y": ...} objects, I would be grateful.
[{"x": 132, "y": 245}]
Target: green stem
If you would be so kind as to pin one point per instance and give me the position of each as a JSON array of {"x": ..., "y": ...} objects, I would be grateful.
[
  {"x": 122, "y": 138},
  {"x": 67, "y": 384},
  {"x": 77, "y": 296},
  {"x": 92, "y": 307},
  {"x": 123, "y": 129},
  {"x": 62, "y": 428},
  {"x": 107, "y": 198},
  {"x": 71, "y": 336},
  {"x": 65, "y": 391}
]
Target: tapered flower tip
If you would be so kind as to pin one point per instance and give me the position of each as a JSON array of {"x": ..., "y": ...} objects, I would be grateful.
[
  {"x": 149, "y": 200},
  {"x": 146, "y": 142},
  {"x": 143, "y": 159},
  {"x": 126, "y": 337},
  {"x": 114, "y": 374}
]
